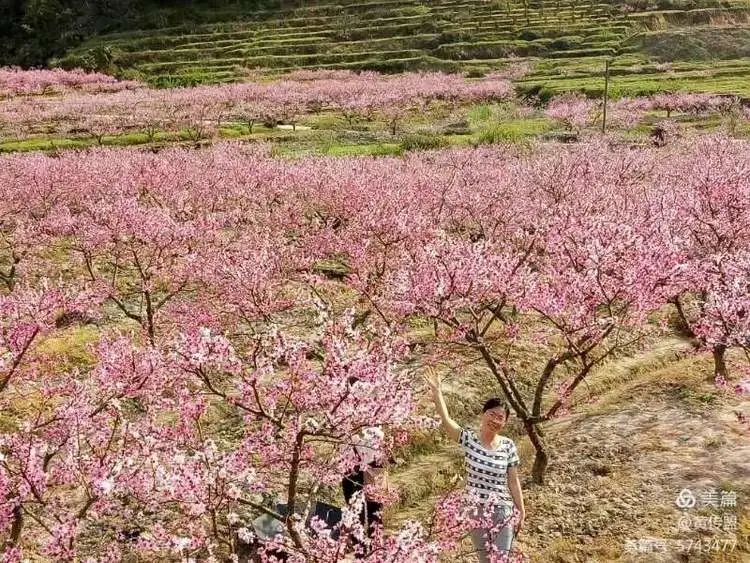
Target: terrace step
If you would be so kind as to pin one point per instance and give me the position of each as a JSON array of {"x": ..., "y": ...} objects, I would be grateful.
[{"x": 392, "y": 34}]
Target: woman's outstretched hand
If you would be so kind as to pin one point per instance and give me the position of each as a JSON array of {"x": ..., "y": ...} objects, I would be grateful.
[
  {"x": 435, "y": 382},
  {"x": 433, "y": 379}
]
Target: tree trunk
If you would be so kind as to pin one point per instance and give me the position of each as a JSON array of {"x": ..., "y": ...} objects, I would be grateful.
[
  {"x": 541, "y": 457},
  {"x": 15, "y": 529},
  {"x": 720, "y": 366},
  {"x": 684, "y": 326},
  {"x": 150, "y": 318},
  {"x": 606, "y": 95},
  {"x": 291, "y": 501},
  {"x": 533, "y": 431}
]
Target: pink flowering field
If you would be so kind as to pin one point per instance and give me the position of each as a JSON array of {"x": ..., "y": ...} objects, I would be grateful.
[{"x": 194, "y": 328}]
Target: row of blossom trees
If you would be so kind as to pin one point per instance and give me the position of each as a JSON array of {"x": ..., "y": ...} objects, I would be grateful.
[
  {"x": 98, "y": 106},
  {"x": 201, "y": 110},
  {"x": 232, "y": 364},
  {"x": 15, "y": 81},
  {"x": 220, "y": 378},
  {"x": 572, "y": 251},
  {"x": 577, "y": 111}
]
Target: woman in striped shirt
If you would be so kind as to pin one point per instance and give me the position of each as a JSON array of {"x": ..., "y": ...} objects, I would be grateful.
[{"x": 491, "y": 471}]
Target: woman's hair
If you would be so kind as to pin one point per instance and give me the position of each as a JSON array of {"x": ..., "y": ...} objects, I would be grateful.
[{"x": 496, "y": 402}]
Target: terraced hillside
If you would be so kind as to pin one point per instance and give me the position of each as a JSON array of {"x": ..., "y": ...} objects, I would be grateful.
[{"x": 571, "y": 38}]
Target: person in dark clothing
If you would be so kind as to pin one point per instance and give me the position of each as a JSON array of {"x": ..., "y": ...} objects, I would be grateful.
[
  {"x": 366, "y": 472},
  {"x": 372, "y": 511}
]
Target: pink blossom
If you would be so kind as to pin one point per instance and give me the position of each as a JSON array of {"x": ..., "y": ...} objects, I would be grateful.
[{"x": 574, "y": 110}]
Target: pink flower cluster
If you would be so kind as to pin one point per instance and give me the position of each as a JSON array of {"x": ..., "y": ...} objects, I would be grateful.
[
  {"x": 692, "y": 103},
  {"x": 577, "y": 111},
  {"x": 574, "y": 110}
]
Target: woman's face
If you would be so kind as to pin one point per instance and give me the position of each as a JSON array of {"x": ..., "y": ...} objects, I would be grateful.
[{"x": 494, "y": 419}]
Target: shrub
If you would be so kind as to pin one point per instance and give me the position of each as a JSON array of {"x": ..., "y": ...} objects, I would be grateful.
[
  {"x": 179, "y": 80},
  {"x": 561, "y": 136},
  {"x": 493, "y": 136},
  {"x": 529, "y": 35},
  {"x": 565, "y": 43},
  {"x": 457, "y": 128},
  {"x": 422, "y": 141},
  {"x": 480, "y": 114},
  {"x": 475, "y": 73},
  {"x": 538, "y": 93},
  {"x": 446, "y": 37}
]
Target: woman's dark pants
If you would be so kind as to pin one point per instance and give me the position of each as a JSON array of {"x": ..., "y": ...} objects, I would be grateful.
[{"x": 371, "y": 512}]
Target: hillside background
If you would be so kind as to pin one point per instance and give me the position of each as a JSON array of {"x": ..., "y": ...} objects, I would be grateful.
[{"x": 652, "y": 45}]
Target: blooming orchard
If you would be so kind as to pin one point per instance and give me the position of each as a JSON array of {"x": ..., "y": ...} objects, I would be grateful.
[
  {"x": 18, "y": 82},
  {"x": 248, "y": 316},
  {"x": 201, "y": 110},
  {"x": 576, "y": 111}
]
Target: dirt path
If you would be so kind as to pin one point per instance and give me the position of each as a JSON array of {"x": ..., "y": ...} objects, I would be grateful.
[{"x": 617, "y": 475}]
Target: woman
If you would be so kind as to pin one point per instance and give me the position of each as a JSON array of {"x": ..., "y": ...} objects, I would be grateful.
[{"x": 491, "y": 469}]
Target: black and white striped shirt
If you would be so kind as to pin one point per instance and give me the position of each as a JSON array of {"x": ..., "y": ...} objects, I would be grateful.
[{"x": 486, "y": 470}]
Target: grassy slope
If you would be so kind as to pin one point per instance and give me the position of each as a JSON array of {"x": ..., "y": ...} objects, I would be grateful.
[{"x": 569, "y": 40}]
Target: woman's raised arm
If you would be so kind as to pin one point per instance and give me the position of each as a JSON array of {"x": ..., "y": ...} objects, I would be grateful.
[{"x": 435, "y": 381}]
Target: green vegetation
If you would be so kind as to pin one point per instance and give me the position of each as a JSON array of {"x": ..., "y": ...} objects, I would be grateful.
[
  {"x": 637, "y": 75},
  {"x": 512, "y": 131},
  {"x": 35, "y": 30},
  {"x": 500, "y": 123},
  {"x": 423, "y": 141},
  {"x": 695, "y": 45},
  {"x": 386, "y": 36}
]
